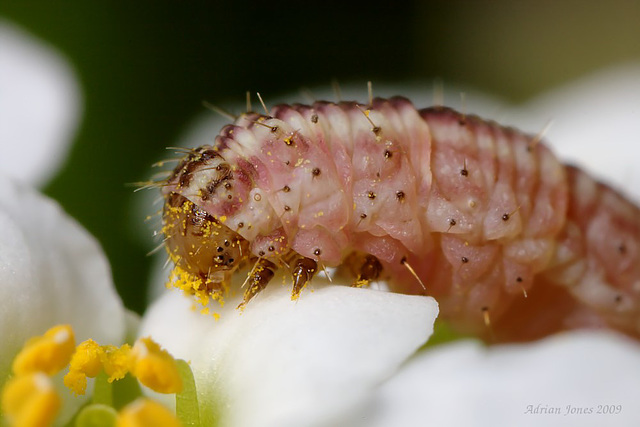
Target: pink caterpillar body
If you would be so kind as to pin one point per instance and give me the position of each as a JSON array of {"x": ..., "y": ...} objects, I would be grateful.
[{"x": 482, "y": 217}]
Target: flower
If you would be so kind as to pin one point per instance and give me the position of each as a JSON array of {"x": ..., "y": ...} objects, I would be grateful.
[
  {"x": 51, "y": 270},
  {"x": 279, "y": 362},
  {"x": 55, "y": 282},
  {"x": 323, "y": 360},
  {"x": 336, "y": 356}
]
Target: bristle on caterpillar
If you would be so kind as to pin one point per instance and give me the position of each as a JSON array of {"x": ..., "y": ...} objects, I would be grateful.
[{"x": 513, "y": 244}]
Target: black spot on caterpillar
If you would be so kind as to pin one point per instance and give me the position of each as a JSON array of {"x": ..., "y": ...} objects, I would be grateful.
[{"x": 513, "y": 244}]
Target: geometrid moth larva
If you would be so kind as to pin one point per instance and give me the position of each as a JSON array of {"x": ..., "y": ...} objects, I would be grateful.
[{"x": 482, "y": 217}]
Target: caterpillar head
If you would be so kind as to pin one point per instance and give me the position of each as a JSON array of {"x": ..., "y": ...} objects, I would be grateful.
[
  {"x": 201, "y": 191},
  {"x": 199, "y": 244}
]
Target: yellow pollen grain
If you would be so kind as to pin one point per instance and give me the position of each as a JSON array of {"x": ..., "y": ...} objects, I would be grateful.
[
  {"x": 222, "y": 218},
  {"x": 48, "y": 353},
  {"x": 144, "y": 413},
  {"x": 193, "y": 285},
  {"x": 154, "y": 367},
  {"x": 206, "y": 230},
  {"x": 30, "y": 400}
]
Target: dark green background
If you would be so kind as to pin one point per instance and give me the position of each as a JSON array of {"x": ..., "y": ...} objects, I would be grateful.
[{"x": 146, "y": 66}]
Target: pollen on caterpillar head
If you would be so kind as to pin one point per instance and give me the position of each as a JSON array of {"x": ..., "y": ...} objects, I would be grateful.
[
  {"x": 203, "y": 290},
  {"x": 205, "y": 251}
]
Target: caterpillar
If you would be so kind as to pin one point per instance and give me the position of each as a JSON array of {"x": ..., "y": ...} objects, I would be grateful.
[{"x": 513, "y": 244}]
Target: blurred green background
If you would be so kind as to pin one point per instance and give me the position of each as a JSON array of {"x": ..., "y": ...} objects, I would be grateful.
[{"x": 146, "y": 66}]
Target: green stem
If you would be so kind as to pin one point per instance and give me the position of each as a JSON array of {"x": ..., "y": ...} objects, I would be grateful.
[{"x": 102, "y": 390}]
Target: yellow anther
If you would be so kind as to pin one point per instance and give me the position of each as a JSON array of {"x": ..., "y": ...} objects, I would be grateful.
[
  {"x": 145, "y": 413},
  {"x": 87, "y": 358},
  {"x": 155, "y": 367},
  {"x": 116, "y": 361},
  {"x": 86, "y": 362},
  {"x": 76, "y": 381},
  {"x": 48, "y": 353},
  {"x": 30, "y": 400}
]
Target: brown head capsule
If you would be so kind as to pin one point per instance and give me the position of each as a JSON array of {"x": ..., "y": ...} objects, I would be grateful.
[{"x": 198, "y": 243}]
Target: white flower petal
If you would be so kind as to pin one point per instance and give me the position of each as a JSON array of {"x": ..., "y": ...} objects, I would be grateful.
[
  {"x": 39, "y": 106},
  {"x": 284, "y": 363},
  {"x": 51, "y": 272},
  {"x": 467, "y": 384}
]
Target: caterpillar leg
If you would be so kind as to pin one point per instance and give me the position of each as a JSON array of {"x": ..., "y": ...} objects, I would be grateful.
[
  {"x": 259, "y": 278},
  {"x": 303, "y": 269},
  {"x": 365, "y": 268}
]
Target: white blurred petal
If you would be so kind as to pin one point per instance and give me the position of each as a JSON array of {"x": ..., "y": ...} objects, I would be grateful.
[
  {"x": 284, "y": 363},
  {"x": 51, "y": 272},
  {"x": 467, "y": 384},
  {"x": 40, "y": 105}
]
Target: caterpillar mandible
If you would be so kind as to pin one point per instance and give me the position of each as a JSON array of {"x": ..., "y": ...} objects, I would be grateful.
[{"x": 482, "y": 217}]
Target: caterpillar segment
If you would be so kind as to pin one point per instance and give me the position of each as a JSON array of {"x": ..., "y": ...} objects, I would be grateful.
[
  {"x": 513, "y": 244},
  {"x": 209, "y": 252}
]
